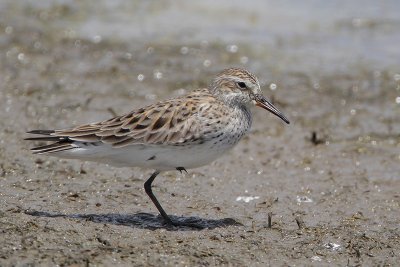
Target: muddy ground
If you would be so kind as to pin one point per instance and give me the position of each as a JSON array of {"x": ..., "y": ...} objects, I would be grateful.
[{"x": 330, "y": 180}]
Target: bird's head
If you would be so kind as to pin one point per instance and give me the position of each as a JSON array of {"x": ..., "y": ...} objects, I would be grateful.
[{"x": 236, "y": 86}]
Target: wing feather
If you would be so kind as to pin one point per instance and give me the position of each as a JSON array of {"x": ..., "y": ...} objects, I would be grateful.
[{"x": 171, "y": 122}]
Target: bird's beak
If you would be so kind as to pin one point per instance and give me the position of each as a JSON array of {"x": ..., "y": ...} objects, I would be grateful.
[{"x": 261, "y": 101}]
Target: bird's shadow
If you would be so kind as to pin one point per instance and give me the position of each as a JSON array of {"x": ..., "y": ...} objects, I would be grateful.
[{"x": 143, "y": 220}]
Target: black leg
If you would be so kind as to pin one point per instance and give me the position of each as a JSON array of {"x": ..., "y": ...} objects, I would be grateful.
[
  {"x": 147, "y": 188},
  {"x": 167, "y": 219}
]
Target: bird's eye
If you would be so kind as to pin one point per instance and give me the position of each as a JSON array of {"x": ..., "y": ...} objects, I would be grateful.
[{"x": 241, "y": 85}]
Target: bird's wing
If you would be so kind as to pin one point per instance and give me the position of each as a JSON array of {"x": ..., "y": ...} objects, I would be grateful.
[{"x": 176, "y": 121}]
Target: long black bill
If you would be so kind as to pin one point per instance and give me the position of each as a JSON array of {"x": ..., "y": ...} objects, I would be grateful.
[{"x": 261, "y": 101}]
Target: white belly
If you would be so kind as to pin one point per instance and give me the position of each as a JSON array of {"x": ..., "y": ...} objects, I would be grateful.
[{"x": 155, "y": 157}]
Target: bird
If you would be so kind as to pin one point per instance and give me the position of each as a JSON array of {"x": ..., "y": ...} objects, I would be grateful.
[{"x": 179, "y": 133}]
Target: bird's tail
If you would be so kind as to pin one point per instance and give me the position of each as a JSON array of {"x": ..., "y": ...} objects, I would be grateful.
[{"x": 59, "y": 143}]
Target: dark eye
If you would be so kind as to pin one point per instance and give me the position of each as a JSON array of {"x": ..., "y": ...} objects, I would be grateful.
[{"x": 241, "y": 85}]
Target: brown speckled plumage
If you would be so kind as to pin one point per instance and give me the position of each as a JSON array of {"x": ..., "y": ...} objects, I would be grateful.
[
  {"x": 188, "y": 119},
  {"x": 183, "y": 132}
]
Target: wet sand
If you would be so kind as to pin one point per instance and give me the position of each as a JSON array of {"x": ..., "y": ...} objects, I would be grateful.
[{"x": 330, "y": 180}]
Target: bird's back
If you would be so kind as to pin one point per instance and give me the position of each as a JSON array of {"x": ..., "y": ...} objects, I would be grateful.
[{"x": 197, "y": 123}]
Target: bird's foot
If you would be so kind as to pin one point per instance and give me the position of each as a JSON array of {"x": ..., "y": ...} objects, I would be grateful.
[
  {"x": 187, "y": 223},
  {"x": 181, "y": 169}
]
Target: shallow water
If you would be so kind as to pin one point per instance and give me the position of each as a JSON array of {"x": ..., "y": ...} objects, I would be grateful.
[{"x": 330, "y": 179}]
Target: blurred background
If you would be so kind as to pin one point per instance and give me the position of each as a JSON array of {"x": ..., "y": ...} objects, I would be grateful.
[
  {"x": 333, "y": 67},
  {"x": 342, "y": 54}
]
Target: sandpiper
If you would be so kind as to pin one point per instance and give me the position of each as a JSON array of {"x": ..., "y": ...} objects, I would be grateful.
[{"x": 183, "y": 132}]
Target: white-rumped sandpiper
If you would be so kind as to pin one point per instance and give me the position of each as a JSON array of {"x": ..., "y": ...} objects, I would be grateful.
[{"x": 183, "y": 132}]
